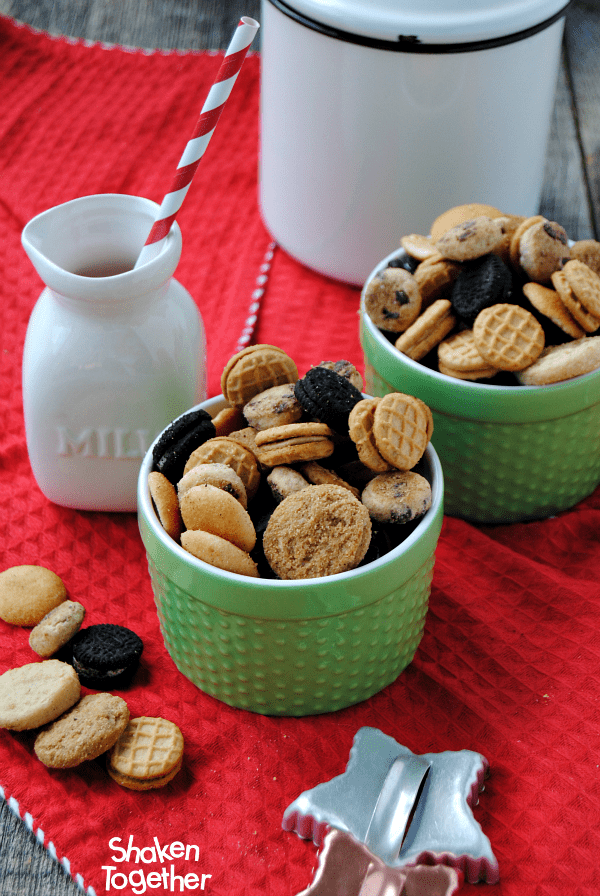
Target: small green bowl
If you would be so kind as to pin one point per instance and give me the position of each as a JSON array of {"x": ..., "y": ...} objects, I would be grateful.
[
  {"x": 509, "y": 453},
  {"x": 292, "y": 648}
]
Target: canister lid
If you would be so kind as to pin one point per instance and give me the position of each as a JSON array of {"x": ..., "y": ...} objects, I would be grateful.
[{"x": 425, "y": 21}]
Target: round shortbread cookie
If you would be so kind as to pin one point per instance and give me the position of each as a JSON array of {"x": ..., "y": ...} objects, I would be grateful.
[
  {"x": 320, "y": 475},
  {"x": 460, "y": 213},
  {"x": 508, "y": 336},
  {"x": 361, "y": 432},
  {"x": 27, "y": 593},
  {"x": 218, "y": 552},
  {"x": 397, "y": 497},
  {"x": 393, "y": 300},
  {"x": 428, "y": 330},
  {"x": 548, "y": 302},
  {"x": 87, "y": 730},
  {"x": 284, "y": 481},
  {"x": 164, "y": 498},
  {"x": 211, "y": 509},
  {"x": 402, "y": 427},
  {"x": 319, "y": 531},
  {"x": 470, "y": 239},
  {"x": 148, "y": 753},
  {"x": 273, "y": 407},
  {"x": 543, "y": 247},
  {"x": 228, "y": 450},
  {"x": 35, "y": 694},
  {"x": 220, "y": 475},
  {"x": 56, "y": 628},
  {"x": 417, "y": 246},
  {"x": 254, "y": 369},
  {"x": 563, "y": 362}
]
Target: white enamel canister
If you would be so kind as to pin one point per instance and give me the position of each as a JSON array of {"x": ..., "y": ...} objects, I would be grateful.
[{"x": 377, "y": 116}]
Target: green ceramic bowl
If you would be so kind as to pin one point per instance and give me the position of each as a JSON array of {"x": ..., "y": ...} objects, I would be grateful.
[
  {"x": 509, "y": 453},
  {"x": 292, "y": 648}
]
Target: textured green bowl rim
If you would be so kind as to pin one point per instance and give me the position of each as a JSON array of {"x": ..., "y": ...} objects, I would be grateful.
[
  {"x": 290, "y": 599},
  {"x": 473, "y": 401}
]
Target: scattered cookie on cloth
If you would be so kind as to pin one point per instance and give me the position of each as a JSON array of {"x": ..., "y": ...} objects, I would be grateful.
[
  {"x": 56, "y": 628},
  {"x": 106, "y": 656},
  {"x": 84, "y": 732},
  {"x": 28, "y": 592},
  {"x": 37, "y": 693},
  {"x": 147, "y": 755}
]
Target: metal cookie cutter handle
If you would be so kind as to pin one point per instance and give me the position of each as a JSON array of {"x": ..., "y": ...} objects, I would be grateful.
[{"x": 397, "y": 798}]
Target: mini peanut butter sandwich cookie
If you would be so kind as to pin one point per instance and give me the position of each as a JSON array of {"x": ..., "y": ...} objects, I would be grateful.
[
  {"x": 273, "y": 407},
  {"x": 227, "y": 450},
  {"x": 563, "y": 362},
  {"x": 579, "y": 289},
  {"x": 106, "y": 655},
  {"x": 319, "y": 531},
  {"x": 459, "y": 214},
  {"x": 515, "y": 247},
  {"x": 294, "y": 443},
  {"x": 470, "y": 239},
  {"x": 211, "y": 509},
  {"x": 549, "y": 303},
  {"x": 84, "y": 732},
  {"x": 428, "y": 330},
  {"x": 393, "y": 300},
  {"x": 220, "y": 475},
  {"x": 56, "y": 628},
  {"x": 508, "y": 336},
  {"x": 397, "y": 497},
  {"x": 402, "y": 426},
  {"x": 254, "y": 369},
  {"x": 458, "y": 357},
  {"x": 361, "y": 432},
  {"x": 587, "y": 251},
  {"x": 219, "y": 552},
  {"x": 35, "y": 694},
  {"x": 147, "y": 755},
  {"x": 27, "y": 593},
  {"x": 164, "y": 498}
]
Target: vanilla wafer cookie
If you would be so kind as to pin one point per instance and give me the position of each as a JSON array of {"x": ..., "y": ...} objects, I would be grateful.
[
  {"x": 418, "y": 246},
  {"x": 402, "y": 427},
  {"x": 361, "y": 432},
  {"x": 226, "y": 450},
  {"x": 508, "y": 336},
  {"x": 254, "y": 369},
  {"x": 458, "y": 357},
  {"x": 221, "y": 475},
  {"x": 212, "y": 509},
  {"x": 219, "y": 552},
  {"x": 147, "y": 755},
  {"x": 164, "y": 498},
  {"x": 563, "y": 362}
]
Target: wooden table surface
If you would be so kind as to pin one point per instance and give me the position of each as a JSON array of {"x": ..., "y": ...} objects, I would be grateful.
[{"x": 571, "y": 196}]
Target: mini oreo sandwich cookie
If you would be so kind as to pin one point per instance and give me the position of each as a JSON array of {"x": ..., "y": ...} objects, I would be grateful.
[
  {"x": 177, "y": 443},
  {"x": 106, "y": 655},
  {"x": 327, "y": 397},
  {"x": 483, "y": 282}
]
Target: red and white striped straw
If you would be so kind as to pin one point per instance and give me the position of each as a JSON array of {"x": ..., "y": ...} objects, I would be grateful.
[{"x": 205, "y": 127}]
